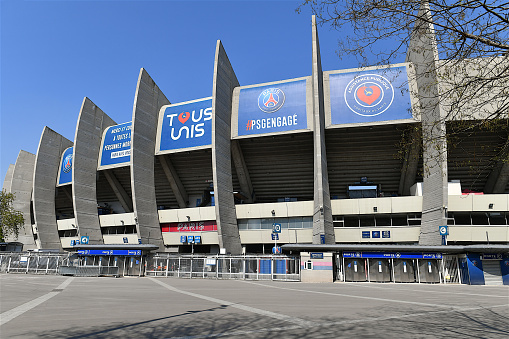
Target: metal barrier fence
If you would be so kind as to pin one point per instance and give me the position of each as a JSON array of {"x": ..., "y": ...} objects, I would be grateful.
[
  {"x": 225, "y": 267},
  {"x": 31, "y": 262},
  {"x": 89, "y": 271}
]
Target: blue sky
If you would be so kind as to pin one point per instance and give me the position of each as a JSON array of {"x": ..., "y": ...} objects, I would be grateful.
[{"x": 54, "y": 53}]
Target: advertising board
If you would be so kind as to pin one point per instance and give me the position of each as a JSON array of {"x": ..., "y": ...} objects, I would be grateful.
[
  {"x": 368, "y": 96},
  {"x": 185, "y": 126},
  {"x": 65, "y": 171},
  {"x": 272, "y": 108},
  {"x": 116, "y": 146}
]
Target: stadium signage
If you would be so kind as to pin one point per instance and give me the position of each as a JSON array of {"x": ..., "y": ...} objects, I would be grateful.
[
  {"x": 186, "y": 125},
  {"x": 116, "y": 146},
  {"x": 369, "y": 96},
  {"x": 65, "y": 173},
  {"x": 198, "y": 226},
  {"x": 394, "y": 255},
  {"x": 272, "y": 108}
]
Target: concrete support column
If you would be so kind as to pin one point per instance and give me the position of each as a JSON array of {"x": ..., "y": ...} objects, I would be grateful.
[
  {"x": 21, "y": 186},
  {"x": 225, "y": 81},
  {"x": 322, "y": 212},
  {"x": 148, "y": 101},
  {"x": 92, "y": 122},
  {"x": 8, "y": 178},
  {"x": 47, "y": 165},
  {"x": 423, "y": 53}
]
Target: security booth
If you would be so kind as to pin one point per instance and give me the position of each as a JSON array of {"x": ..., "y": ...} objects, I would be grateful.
[
  {"x": 114, "y": 260},
  {"x": 392, "y": 266}
]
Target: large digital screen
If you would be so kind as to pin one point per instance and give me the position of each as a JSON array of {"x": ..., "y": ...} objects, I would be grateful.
[
  {"x": 272, "y": 108},
  {"x": 116, "y": 146},
  {"x": 369, "y": 96},
  {"x": 185, "y": 125},
  {"x": 65, "y": 173}
]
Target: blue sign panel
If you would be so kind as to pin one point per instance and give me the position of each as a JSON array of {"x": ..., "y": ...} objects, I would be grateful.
[
  {"x": 316, "y": 255},
  {"x": 368, "y": 96},
  {"x": 386, "y": 234},
  {"x": 276, "y": 228},
  {"x": 84, "y": 240},
  {"x": 65, "y": 174},
  {"x": 116, "y": 147},
  {"x": 366, "y": 234},
  {"x": 183, "y": 238},
  {"x": 197, "y": 239},
  {"x": 190, "y": 239},
  {"x": 110, "y": 252},
  {"x": 272, "y": 108},
  {"x": 394, "y": 255},
  {"x": 275, "y": 236},
  {"x": 186, "y": 125},
  {"x": 375, "y": 234},
  {"x": 443, "y": 230}
]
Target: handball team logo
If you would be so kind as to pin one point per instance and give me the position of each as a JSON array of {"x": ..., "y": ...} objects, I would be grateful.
[
  {"x": 68, "y": 163},
  {"x": 270, "y": 100},
  {"x": 369, "y": 95}
]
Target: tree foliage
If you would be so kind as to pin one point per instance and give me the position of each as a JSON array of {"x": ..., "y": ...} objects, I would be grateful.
[
  {"x": 10, "y": 219},
  {"x": 469, "y": 46}
]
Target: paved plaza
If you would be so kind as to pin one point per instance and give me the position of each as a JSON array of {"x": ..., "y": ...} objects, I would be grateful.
[{"x": 71, "y": 307}]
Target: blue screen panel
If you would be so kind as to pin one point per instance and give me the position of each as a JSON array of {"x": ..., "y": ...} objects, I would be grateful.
[
  {"x": 116, "y": 147},
  {"x": 65, "y": 173}
]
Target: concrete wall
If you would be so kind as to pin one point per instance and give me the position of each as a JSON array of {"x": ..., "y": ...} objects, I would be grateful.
[
  {"x": 224, "y": 83},
  {"x": 21, "y": 187},
  {"x": 92, "y": 122},
  {"x": 321, "y": 271},
  {"x": 47, "y": 163},
  {"x": 322, "y": 212},
  {"x": 148, "y": 101},
  {"x": 8, "y": 178}
]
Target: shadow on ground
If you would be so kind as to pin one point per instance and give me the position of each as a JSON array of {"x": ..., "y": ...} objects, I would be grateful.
[{"x": 209, "y": 323}]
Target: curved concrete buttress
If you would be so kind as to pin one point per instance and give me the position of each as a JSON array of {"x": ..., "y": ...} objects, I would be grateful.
[
  {"x": 92, "y": 122},
  {"x": 47, "y": 162},
  {"x": 8, "y": 178},
  {"x": 21, "y": 187},
  {"x": 225, "y": 81},
  {"x": 322, "y": 211},
  {"x": 147, "y": 103}
]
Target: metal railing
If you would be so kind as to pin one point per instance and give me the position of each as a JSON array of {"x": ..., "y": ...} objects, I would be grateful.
[
  {"x": 31, "y": 262},
  {"x": 224, "y": 267},
  {"x": 89, "y": 271}
]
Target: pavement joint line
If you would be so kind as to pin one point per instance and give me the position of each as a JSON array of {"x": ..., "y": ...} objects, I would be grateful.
[
  {"x": 283, "y": 317},
  {"x": 335, "y": 323},
  {"x": 425, "y": 291},
  {"x": 357, "y": 296},
  {"x": 17, "y": 311}
]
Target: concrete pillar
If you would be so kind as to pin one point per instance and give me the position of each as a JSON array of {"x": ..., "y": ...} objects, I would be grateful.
[
  {"x": 225, "y": 81},
  {"x": 47, "y": 165},
  {"x": 21, "y": 187},
  {"x": 8, "y": 178},
  {"x": 322, "y": 212},
  {"x": 92, "y": 122},
  {"x": 148, "y": 101},
  {"x": 423, "y": 53}
]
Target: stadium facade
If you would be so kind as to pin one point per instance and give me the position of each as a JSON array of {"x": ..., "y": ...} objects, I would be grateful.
[{"x": 335, "y": 159}]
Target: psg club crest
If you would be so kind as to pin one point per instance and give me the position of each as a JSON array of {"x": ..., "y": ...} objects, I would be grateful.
[
  {"x": 271, "y": 100},
  {"x": 68, "y": 163},
  {"x": 369, "y": 95}
]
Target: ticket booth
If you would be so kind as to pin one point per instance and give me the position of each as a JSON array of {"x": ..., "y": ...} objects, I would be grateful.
[
  {"x": 379, "y": 270},
  {"x": 355, "y": 269},
  {"x": 429, "y": 271},
  {"x": 404, "y": 270}
]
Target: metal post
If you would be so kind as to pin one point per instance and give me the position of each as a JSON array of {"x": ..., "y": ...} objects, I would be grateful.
[
  {"x": 418, "y": 273},
  {"x": 9, "y": 265},
  {"x": 442, "y": 275},
  {"x": 167, "y": 264},
  {"x": 257, "y": 269},
  {"x": 459, "y": 271},
  {"x": 28, "y": 264},
  {"x": 366, "y": 265},
  {"x": 178, "y": 269},
  {"x": 141, "y": 266},
  {"x": 47, "y": 264},
  {"x": 392, "y": 266},
  {"x": 344, "y": 269},
  {"x": 230, "y": 268}
]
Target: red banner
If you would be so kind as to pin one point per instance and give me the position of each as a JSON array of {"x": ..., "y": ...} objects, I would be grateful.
[{"x": 195, "y": 226}]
